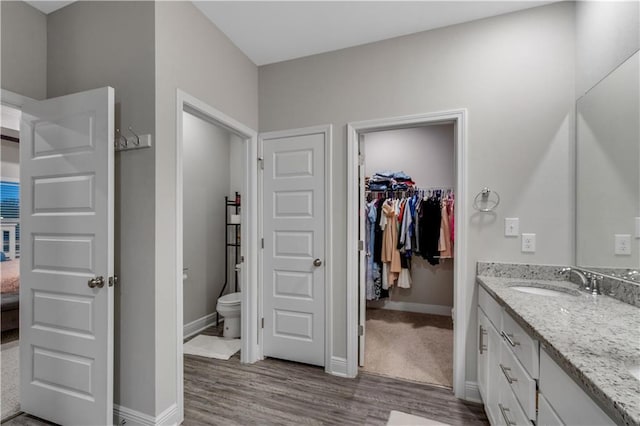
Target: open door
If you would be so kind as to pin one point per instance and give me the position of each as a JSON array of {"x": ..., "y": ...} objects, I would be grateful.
[
  {"x": 362, "y": 255},
  {"x": 66, "y": 293}
]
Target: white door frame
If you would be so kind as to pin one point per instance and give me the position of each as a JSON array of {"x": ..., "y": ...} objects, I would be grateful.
[
  {"x": 249, "y": 244},
  {"x": 460, "y": 314},
  {"x": 13, "y": 100},
  {"x": 336, "y": 367}
]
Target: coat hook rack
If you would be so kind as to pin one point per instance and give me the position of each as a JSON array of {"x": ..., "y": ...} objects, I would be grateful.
[{"x": 135, "y": 141}]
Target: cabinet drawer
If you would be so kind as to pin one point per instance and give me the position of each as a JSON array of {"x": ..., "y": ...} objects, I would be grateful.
[
  {"x": 569, "y": 401},
  {"x": 509, "y": 411},
  {"x": 546, "y": 415},
  {"x": 523, "y": 386},
  {"x": 523, "y": 346},
  {"x": 491, "y": 308}
]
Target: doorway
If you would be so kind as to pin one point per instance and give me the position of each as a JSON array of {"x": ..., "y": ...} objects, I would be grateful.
[
  {"x": 356, "y": 307},
  {"x": 408, "y": 199},
  {"x": 10, "y": 260},
  {"x": 241, "y": 145}
]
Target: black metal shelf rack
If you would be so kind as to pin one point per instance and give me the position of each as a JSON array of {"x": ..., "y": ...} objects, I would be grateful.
[{"x": 231, "y": 233}]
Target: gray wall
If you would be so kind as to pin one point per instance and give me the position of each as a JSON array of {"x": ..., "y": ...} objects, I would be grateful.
[
  {"x": 206, "y": 159},
  {"x": 192, "y": 55},
  {"x": 519, "y": 91},
  {"x": 24, "y": 49},
  {"x": 425, "y": 154},
  {"x": 607, "y": 33},
  {"x": 95, "y": 44}
]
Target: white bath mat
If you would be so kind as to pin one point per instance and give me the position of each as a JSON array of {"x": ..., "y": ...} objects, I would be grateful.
[
  {"x": 398, "y": 418},
  {"x": 212, "y": 347}
]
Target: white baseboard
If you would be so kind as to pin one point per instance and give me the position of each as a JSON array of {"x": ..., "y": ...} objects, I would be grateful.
[
  {"x": 472, "y": 393},
  {"x": 168, "y": 417},
  {"x": 337, "y": 367},
  {"x": 422, "y": 308},
  {"x": 129, "y": 417},
  {"x": 195, "y": 327}
]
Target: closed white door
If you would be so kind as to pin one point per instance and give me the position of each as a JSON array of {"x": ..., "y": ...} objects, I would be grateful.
[
  {"x": 66, "y": 298},
  {"x": 294, "y": 246}
]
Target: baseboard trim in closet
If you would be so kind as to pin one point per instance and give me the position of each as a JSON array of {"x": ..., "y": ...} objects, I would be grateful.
[
  {"x": 124, "y": 415},
  {"x": 338, "y": 366},
  {"x": 421, "y": 308},
  {"x": 472, "y": 393},
  {"x": 195, "y": 327}
]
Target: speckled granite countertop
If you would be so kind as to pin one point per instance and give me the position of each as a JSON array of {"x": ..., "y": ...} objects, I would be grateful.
[{"x": 594, "y": 339}]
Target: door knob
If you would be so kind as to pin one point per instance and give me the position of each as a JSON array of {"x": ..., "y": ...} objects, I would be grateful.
[
  {"x": 317, "y": 262},
  {"x": 96, "y": 282}
]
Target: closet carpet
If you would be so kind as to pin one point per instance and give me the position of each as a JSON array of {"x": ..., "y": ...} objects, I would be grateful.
[{"x": 410, "y": 346}]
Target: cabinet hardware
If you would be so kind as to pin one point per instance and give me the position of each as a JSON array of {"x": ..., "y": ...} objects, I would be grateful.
[
  {"x": 481, "y": 346},
  {"x": 504, "y": 371},
  {"x": 504, "y": 411},
  {"x": 509, "y": 338}
]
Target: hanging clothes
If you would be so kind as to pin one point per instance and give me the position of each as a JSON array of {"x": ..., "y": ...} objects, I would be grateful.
[
  {"x": 373, "y": 278},
  {"x": 400, "y": 227},
  {"x": 430, "y": 230},
  {"x": 390, "y": 252},
  {"x": 444, "y": 244}
]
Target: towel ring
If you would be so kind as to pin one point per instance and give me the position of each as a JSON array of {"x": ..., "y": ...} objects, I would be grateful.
[{"x": 484, "y": 197}]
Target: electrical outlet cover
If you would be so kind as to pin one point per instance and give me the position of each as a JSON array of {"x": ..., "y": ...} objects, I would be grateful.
[
  {"x": 528, "y": 243},
  {"x": 622, "y": 244}
]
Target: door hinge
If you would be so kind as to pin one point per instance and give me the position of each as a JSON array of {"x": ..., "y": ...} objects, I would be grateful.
[
  {"x": 261, "y": 163},
  {"x": 360, "y": 159},
  {"x": 262, "y": 243},
  {"x": 262, "y": 323},
  {"x": 360, "y": 245},
  {"x": 361, "y": 330}
]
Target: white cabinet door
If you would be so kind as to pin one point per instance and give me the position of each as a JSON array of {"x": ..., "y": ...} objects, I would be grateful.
[
  {"x": 492, "y": 383},
  {"x": 66, "y": 301},
  {"x": 294, "y": 245},
  {"x": 483, "y": 353}
]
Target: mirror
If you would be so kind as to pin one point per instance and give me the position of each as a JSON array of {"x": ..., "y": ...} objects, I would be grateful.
[{"x": 608, "y": 174}]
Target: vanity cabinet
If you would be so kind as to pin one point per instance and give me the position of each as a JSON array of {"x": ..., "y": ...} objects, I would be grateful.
[
  {"x": 570, "y": 404},
  {"x": 507, "y": 388},
  {"x": 519, "y": 383}
]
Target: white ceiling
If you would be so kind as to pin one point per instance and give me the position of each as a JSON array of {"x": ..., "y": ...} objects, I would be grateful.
[
  {"x": 48, "y": 6},
  {"x": 274, "y": 31}
]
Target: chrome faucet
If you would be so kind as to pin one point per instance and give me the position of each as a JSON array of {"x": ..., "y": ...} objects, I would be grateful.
[
  {"x": 584, "y": 282},
  {"x": 595, "y": 281}
]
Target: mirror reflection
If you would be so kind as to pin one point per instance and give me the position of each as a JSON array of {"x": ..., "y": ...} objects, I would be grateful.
[{"x": 608, "y": 174}]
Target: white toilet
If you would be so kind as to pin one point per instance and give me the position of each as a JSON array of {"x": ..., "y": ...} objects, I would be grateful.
[{"x": 229, "y": 307}]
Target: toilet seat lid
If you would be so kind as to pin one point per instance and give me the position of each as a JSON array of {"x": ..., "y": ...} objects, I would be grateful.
[{"x": 230, "y": 299}]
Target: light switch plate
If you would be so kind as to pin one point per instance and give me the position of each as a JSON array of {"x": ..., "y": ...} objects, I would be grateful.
[
  {"x": 511, "y": 227},
  {"x": 637, "y": 227},
  {"x": 622, "y": 244},
  {"x": 528, "y": 243}
]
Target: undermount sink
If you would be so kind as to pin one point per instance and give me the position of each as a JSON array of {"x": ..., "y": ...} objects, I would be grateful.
[{"x": 544, "y": 291}]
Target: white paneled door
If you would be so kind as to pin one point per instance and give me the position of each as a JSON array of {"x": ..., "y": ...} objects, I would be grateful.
[
  {"x": 294, "y": 246},
  {"x": 66, "y": 268}
]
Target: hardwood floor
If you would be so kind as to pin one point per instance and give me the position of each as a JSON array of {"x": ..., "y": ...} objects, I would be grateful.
[{"x": 279, "y": 392}]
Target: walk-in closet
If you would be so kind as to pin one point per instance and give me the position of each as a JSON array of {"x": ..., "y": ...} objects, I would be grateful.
[{"x": 408, "y": 204}]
